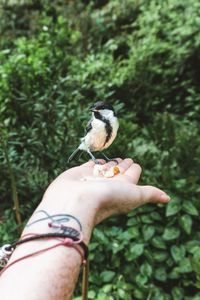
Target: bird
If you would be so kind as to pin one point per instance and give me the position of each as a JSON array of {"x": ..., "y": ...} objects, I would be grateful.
[{"x": 100, "y": 132}]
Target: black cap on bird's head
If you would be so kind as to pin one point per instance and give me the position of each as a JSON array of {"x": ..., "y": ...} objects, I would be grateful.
[{"x": 100, "y": 105}]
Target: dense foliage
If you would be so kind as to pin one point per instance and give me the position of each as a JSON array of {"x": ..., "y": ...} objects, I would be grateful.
[{"x": 59, "y": 57}]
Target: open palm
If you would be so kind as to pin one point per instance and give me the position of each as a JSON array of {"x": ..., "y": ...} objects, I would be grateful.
[{"x": 118, "y": 194}]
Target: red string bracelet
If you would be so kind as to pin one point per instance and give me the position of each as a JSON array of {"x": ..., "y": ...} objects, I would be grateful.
[
  {"x": 74, "y": 240},
  {"x": 66, "y": 242}
]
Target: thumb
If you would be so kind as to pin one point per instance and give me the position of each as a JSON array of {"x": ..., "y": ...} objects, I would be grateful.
[{"x": 153, "y": 194}]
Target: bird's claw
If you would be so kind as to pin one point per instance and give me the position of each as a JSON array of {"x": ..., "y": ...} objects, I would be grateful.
[
  {"x": 109, "y": 159},
  {"x": 97, "y": 162},
  {"x": 113, "y": 159}
]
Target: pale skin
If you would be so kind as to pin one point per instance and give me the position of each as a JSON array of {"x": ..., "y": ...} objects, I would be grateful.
[{"x": 53, "y": 275}]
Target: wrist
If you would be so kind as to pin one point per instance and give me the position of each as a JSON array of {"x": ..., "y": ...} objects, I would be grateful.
[{"x": 73, "y": 202}]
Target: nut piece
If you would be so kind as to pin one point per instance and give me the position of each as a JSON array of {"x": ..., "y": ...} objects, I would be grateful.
[
  {"x": 101, "y": 171},
  {"x": 98, "y": 170},
  {"x": 116, "y": 170},
  {"x": 111, "y": 172}
]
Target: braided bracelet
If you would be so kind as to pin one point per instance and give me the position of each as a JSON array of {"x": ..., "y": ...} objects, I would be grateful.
[
  {"x": 67, "y": 236},
  {"x": 7, "y": 250}
]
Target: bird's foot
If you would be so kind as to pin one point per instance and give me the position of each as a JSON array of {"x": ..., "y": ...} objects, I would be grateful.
[
  {"x": 109, "y": 159},
  {"x": 96, "y": 161}
]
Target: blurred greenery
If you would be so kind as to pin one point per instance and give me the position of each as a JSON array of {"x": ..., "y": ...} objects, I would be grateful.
[{"x": 59, "y": 57}]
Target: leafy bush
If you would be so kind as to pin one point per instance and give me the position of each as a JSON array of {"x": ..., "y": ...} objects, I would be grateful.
[{"x": 142, "y": 56}]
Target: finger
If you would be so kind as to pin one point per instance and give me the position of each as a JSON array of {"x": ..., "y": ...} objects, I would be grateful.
[
  {"x": 101, "y": 161},
  {"x": 153, "y": 194},
  {"x": 118, "y": 159},
  {"x": 91, "y": 163},
  {"x": 134, "y": 172},
  {"x": 113, "y": 163},
  {"x": 125, "y": 164}
]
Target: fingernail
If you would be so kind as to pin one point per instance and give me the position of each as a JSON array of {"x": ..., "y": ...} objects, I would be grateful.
[{"x": 164, "y": 197}]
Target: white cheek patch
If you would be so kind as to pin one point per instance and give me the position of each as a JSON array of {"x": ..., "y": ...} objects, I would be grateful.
[{"x": 107, "y": 113}]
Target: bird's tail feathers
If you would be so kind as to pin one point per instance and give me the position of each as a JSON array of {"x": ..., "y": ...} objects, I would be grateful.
[{"x": 75, "y": 155}]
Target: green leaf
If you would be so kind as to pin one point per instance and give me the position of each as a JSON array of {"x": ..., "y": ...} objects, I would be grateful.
[
  {"x": 91, "y": 295},
  {"x": 196, "y": 297},
  {"x": 107, "y": 276},
  {"x": 178, "y": 252},
  {"x": 134, "y": 232},
  {"x": 177, "y": 293},
  {"x": 146, "y": 219},
  {"x": 186, "y": 223},
  {"x": 148, "y": 254},
  {"x": 103, "y": 296},
  {"x": 195, "y": 261},
  {"x": 146, "y": 269},
  {"x": 138, "y": 293},
  {"x": 160, "y": 274},
  {"x": 136, "y": 250},
  {"x": 141, "y": 280},
  {"x": 155, "y": 216},
  {"x": 125, "y": 236},
  {"x": 148, "y": 232},
  {"x": 107, "y": 288},
  {"x": 189, "y": 208},
  {"x": 193, "y": 246},
  {"x": 121, "y": 293},
  {"x": 157, "y": 294},
  {"x": 92, "y": 246},
  {"x": 158, "y": 242},
  {"x": 174, "y": 274},
  {"x": 171, "y": 233},
  {"x": 160, "y": 256},
  {"x": 173, "y": 207},
  {"x": 132, "y": 221},
  {"x": 185, "y": 266}
]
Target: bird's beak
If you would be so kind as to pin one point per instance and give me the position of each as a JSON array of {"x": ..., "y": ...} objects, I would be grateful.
[{"x": 93, "y": 110}]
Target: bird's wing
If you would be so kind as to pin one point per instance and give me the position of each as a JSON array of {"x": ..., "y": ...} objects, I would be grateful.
[{"x": 88, "y": 127}]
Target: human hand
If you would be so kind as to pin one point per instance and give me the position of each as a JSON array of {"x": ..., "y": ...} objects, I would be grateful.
[
  {"x": 88, "y": 200},
  {"x": 108, "y": 196}
]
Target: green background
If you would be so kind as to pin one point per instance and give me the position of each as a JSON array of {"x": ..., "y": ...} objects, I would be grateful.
[{"x": 59, "y": 57}]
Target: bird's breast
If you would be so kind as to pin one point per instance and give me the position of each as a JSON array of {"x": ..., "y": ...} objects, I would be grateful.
[{"x": 101, "y": 135}]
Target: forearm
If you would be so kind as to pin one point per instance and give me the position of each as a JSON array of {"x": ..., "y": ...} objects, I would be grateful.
[
  {"x": 78, "y": 192},
  {"x": 52, "y": 274}
]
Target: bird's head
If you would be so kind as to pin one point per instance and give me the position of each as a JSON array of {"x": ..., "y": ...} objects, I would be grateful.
[{"x": 103, "y": 108}]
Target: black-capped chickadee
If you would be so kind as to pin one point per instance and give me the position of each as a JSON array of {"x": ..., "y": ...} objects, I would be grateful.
[{"x": 100, "y": 131}]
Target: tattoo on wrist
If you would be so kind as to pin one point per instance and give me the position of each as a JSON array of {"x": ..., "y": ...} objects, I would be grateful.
[{"x": 58, "y": 222}]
